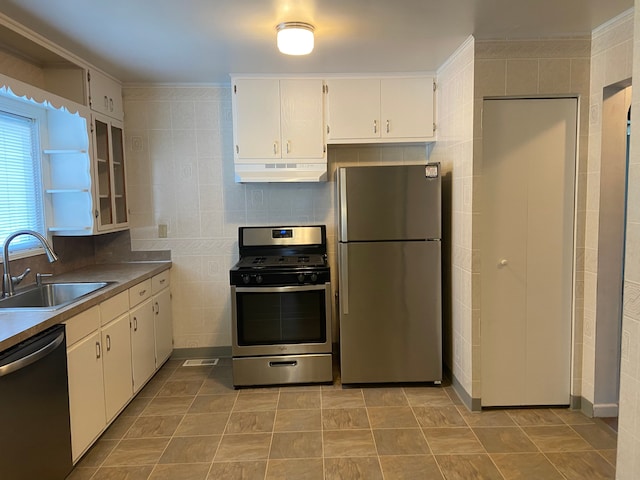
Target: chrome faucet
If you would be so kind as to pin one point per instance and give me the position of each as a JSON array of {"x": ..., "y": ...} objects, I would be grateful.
[{"x": 8, "y": 282}]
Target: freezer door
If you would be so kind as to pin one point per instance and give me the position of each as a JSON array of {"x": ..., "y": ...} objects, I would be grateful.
[
  {"x": 390, "y": 312},
  {"x": 388, "y": 203}
]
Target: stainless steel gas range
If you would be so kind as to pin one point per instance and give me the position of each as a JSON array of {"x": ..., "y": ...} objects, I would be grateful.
[{"x": 281, "y": 307}]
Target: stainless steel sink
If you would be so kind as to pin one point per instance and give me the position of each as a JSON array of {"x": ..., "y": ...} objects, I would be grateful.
[{"x": 50, "y": 296}]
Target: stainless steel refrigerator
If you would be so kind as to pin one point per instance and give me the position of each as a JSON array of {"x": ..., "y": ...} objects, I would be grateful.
[{"x": 389, "y": 265}]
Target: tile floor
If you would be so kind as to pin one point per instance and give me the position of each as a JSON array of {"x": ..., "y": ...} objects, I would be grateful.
[{"x": 189, "y": 423}]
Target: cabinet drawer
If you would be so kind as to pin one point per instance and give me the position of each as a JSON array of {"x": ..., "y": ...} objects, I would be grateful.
[
  {"x": 139, "y": 293},
  {"x": 82, "y": 325},
  {"x": 114, "y": 307},
  {"x": 160, "y": 281}
]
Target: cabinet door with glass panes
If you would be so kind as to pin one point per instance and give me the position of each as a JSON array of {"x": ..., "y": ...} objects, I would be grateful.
[{"x": 111, "y": 194}]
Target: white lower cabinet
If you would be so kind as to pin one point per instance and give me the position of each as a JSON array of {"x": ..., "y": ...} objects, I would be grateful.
[
  {"x": 143, "y": 354},
  {"x": 113, "y": 349},
  {"x": 86, "y": 393},
  {"x": 116, "y": 363}
]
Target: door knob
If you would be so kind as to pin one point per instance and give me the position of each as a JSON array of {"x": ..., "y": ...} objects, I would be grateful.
[{"x": 503, "y": 262}]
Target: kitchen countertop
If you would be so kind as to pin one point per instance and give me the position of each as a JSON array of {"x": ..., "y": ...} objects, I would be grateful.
[{"x": 18, "y": 325}]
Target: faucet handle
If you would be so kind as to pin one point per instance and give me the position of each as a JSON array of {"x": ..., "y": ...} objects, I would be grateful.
[
  {"x": 19, "y": 278},
  {"x": 40, "y": 276}
]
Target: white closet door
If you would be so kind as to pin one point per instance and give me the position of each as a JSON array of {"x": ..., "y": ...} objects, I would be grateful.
[{"x": 529, "y": 151}]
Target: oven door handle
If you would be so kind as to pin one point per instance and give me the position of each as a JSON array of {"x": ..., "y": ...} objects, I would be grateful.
[{"x": 294, "y": 288}]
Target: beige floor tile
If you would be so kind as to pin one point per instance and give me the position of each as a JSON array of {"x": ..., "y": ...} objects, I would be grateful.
[
  {"x": 452, "y": 440},
  {"x": 127, "y": 472},
  {"x": 253, "y": 470},
  {"x": 298, "y": 420},
  {"x": 392, "y": 417},
  {"x": 348, "y": 443},
  {"x": 185, "y": 471},
  {"x": 179, "y": 388},
  {"x": 295, "y": 469},
  {"x": 296, "y": 445},
  {"x": 355, "y": 468},
  {"x": 198, "y": 449},
  {"x": 609, "y": 455},
  {"x": 217, "y": 386},
  {"x": 561, "y": 438},
  {"x": 299, "y": 400},
  {"x": 573, "y": 417},
  {"x": 400, "y": 441},
  {"x": 212, "y": 404},
  {"x": 344, "y": 418},
  {"x": 427, "y": 396},
  {"x": 136, "y": 406},
  {"x": 504, "y": 440},
  {"x": 465, "y": 467},
  {"x": 246, "y": 446},
  {"x": 152, "y": 388},
  {"x": 119, "y": 427},
  {"x": 486, "y": 418},
  {"x": 599, "y": 436},
  {"x": 168, "y": 406},
  {"x": 256, "y": 401},
  {"x": 202, "y": 424},
  {"x": 251, "y": 422},
  {"x": 525, "y": 466},
  {"x": 582, "y": 465},
  {"x": 137, "y": 452},
  {"x": 154, "y": 426},
  {"x": 82, "y": 473},
  {"x": 342, "y": 398},
  {"x": 535, "y": 416},
  {"x": 98, "y": 453},
  {"x": 453, "y": 395},
  {"x": 410, "y": 467},
  {"x": 190, "y": 373},
  {"x": 439, "y": 417},
  {"x": 384, "y": 397}
]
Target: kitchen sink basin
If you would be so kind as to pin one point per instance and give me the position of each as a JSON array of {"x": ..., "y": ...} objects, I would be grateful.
[{"x": 50, "y": 296}]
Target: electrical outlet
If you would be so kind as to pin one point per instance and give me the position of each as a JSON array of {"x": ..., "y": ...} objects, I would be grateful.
[{"x": 162, "y": 230}]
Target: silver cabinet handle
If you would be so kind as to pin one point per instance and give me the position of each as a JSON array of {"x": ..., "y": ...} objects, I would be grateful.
[
  {"x": 108, "y": 343},
  {"x": 388, "y": 127},
  {"x": 31, "y": 358},
  {"x": 142, "y": 292},
  {"x": 275, "y": 148},
  {"x": 135, "y": 324},
  {"x": 111, "y": 104},
  {"x": 106, "y": 102},
  {"x": 288, "y": 146},
  {"x": 375, "y": 126},
  {"x": 98, "y": 350},
  {"x": 157, "y": 309}
]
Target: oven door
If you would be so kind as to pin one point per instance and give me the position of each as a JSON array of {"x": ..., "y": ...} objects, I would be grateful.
[{"x": 281, "y": 320}]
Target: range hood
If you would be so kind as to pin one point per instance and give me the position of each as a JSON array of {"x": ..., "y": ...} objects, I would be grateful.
[{"x": 280, "y": 172}]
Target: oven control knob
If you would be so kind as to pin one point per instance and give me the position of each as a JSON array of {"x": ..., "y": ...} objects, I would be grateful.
[
  {"x": 246, "y": 278},
  {"x": 314, "y": 277},
  {"x": 258, "y": 278},
  {"x": 300, "y": 278}
]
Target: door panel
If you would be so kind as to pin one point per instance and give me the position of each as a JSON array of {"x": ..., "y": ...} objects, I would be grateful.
[
  {"x": 390, "y": 312},
  {"x": 388, "y": 203},
  {"x": 527, "y": 250}
]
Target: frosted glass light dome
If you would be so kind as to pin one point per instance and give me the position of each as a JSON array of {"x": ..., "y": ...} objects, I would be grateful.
[{"x": 295, "y": 38}]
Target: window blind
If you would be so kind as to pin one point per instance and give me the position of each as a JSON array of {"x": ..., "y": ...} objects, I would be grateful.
[{"x": 21, "y": 204}]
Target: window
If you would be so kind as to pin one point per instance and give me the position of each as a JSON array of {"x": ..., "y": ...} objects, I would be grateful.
[{"x": 21, "y": 205}]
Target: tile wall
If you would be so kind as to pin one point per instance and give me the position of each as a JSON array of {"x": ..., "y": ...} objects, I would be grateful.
[
  {"x": 180, "y": 164},
  {"x": 611, "y": 62},
  {"x": 628, "y": 461},
  {"x": 454, "y": 150}
]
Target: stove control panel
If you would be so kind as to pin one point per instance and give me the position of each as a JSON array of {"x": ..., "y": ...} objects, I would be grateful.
[{"x": 280, "y": 278}]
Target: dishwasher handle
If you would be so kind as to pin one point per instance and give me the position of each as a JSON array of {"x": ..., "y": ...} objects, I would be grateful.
[{"x": 32, "y": 357}]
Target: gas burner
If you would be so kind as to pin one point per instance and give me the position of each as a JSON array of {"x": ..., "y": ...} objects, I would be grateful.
[{"x": 259, "y": 260}]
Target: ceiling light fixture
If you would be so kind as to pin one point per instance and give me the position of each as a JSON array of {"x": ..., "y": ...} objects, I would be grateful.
[{"x": 295, "y": 38}]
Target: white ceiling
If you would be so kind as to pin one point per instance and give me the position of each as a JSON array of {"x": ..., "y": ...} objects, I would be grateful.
[{"x": 203, "y": 41}]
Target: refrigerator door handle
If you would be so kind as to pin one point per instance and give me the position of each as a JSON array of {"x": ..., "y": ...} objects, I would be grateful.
[
  {"x": 342, "y": 182},
  {"x": 344, "y": 279}
]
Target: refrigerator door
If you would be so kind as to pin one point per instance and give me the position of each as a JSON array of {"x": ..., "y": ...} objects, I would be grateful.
[
  {"x": 390, "y": 312},
  {"x": 388, "y": 203}
]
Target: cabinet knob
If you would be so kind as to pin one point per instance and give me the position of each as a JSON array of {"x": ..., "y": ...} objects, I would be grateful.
[{"x": 503, "y": 262}]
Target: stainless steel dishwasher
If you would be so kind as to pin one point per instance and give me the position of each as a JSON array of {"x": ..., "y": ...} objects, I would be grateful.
[{"x": 35, "y": 436}]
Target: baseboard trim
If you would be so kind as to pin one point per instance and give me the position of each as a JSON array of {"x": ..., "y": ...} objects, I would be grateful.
[
  {"x": 586, "y": 407},
  {"x": 201, "y": 352},
  {"x": 472, "y": 404},
  {"x": 605, "y": 410}
]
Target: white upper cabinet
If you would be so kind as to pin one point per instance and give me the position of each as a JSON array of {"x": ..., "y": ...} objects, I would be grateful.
[
  {"x": 277, "y": 119},
  {"x": 389, "y": 109},
  {"x": 105, "y": 95}
]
